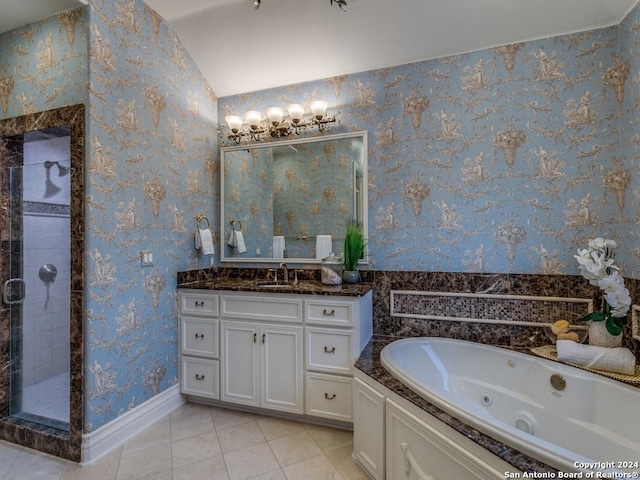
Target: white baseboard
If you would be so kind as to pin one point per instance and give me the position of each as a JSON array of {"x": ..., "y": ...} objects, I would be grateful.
[{"x": 97, "y": 444}]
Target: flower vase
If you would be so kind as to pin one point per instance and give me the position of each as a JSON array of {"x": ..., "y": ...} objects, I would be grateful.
[
  {"x": 350, "y": 276},
  {"x": 600, "y": 336}
]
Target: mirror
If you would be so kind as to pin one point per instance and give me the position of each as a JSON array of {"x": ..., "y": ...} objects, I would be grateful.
[{"x": 290, "y": 200}]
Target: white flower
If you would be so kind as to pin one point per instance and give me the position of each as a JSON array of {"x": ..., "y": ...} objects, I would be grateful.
[
  {"x": 596, "y": 265},
  {"x": 616, "y": 294},
  {"x": 602, "y": 244}
]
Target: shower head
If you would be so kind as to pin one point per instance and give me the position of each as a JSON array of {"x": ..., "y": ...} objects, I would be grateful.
[{"x": 62, "y": 170}]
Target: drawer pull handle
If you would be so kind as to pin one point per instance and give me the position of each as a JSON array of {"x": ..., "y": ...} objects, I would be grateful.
[
  {"x": 327, "y": 397},
  {"x": 263, "y": 338},
  {"x": 254, "y": 337},
  {"x": 326, "y": 313},
  {"x": 199, "y": 304},
  {"x": 199, "y": 377},
  {"x": 409, "y": 462},
  {"x": 200, "y": 336},
  {"x": 326, "y": 350}
]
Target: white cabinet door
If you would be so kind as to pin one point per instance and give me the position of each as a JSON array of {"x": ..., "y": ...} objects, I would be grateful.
[
  {"x": 368, "y": 429},
  {"x": 281, "y": 368},
  {"x": 240, "y": 363},
  {"x": 262, "y": 365}
]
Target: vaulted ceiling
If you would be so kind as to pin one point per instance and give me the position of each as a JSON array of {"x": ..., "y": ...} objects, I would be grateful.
[{"x": 240, "y": 49}]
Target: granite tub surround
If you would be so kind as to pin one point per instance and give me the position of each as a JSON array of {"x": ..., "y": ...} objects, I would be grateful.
[
  {"x": 249, "y": 280},
  {"x": 369, "y": 364},
  {"x": 510, "y": 335}
]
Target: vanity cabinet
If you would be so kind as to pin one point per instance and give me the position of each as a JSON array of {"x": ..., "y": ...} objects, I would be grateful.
[
  {"x": 262, "y": 365},
  {"x": 291, "y": 353},
  {"x": 394, "y": 439},
  {"x": 199, "y": 354}
]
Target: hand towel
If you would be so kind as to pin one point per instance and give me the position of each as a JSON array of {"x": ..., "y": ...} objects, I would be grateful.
[
  {"x": 324, "y": 246},
  {"x": 617, "y": 360},
  {"x": 204, "y": 241},
  {"x": 240, "y": 241},
  {"x": 278, "y": 246},
  {"x": 232, "y": 242}
]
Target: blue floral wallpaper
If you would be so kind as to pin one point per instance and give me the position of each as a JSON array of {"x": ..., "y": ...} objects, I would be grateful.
[
  {"x": 151, "y": 163},
  {"x": 44, "y": 65},
  {"x": 502, "y": 160}
]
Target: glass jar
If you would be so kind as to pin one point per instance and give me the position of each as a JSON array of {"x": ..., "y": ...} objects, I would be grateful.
[{"x": 331, "y": 269}]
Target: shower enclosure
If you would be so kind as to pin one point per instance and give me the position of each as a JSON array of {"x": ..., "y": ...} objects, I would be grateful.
[
  {"x": 41, "y": 260},
  {"x": 38, "y": 288}
]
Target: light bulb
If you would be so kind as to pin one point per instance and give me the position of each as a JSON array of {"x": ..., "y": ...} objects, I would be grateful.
[
  {"x": 234, "y": 122},
  {"x": 319, "y": 109},
  {"x": 253, "y": 119},
  {"x": 296, "y": 112},
  {"x": 275, "y": 115}
]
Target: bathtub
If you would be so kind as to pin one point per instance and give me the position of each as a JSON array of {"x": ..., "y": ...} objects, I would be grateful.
[{"x": 592, "y": 425}]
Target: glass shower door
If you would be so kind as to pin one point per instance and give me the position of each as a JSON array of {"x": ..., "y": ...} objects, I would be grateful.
[{"x": 37, "y": 292}]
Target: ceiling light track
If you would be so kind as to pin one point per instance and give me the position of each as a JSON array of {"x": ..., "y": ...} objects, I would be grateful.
[{"x": 340, "y": 3}]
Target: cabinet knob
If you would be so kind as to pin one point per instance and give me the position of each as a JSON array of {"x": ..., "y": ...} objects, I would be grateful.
[
  {"x": 199, "y": 304},
  {"x": 327, "y": 350},
  {"x": 327, "y": 313},
  {"x": 327, "y": 397},
  {"x": 200, "y": 336},
  {"x": 199, "y": 377}
]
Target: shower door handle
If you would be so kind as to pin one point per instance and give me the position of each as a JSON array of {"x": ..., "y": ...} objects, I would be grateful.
[{"x": 13, "y": 291}]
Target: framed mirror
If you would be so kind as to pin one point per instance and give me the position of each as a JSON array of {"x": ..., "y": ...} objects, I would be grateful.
[{"x": 289, "y": 200}]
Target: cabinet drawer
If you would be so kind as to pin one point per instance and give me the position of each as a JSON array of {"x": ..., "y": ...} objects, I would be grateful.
[
  {"x": 330, "y": 312},
  {"x": 199, "y": 337},
  {"x": 199, "y": 303},
  {"x": 250, "y": 307},
  {"x": 330, "y": 350},
  {"x": 329, "y": 396},
  {"x": 200, "y": 376}
]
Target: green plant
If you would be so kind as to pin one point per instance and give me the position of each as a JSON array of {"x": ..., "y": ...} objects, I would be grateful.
[{"x": 353, "y": 245}]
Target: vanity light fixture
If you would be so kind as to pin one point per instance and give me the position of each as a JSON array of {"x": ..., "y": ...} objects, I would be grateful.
[{"x": 275, "y": 124}]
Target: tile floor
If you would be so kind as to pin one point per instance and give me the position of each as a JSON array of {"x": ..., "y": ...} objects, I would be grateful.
[{"x": 200, "y": 442}]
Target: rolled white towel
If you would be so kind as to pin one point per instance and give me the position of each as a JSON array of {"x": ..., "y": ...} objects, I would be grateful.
[
  {"x": 617, "y": 360},
  {"x": 324, "y": 246},
  {"x": 278, "y": 246},
  {"x": 204, "y": 241}
]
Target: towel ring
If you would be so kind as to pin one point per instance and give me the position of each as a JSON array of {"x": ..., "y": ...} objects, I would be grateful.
[
  {"x": 233, "y": 222},
  {"x": 200, "y": 218}
]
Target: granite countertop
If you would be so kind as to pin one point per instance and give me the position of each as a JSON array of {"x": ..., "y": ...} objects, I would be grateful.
[
  {"x": 369, "y": 364},
  {"x": 304, "y": 287}
]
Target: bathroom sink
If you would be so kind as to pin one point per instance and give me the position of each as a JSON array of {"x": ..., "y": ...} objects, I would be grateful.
[{"x": 272, "y": 284}]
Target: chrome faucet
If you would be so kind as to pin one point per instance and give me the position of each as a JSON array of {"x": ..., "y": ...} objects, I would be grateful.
[{"x": 285, "y": 272}]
